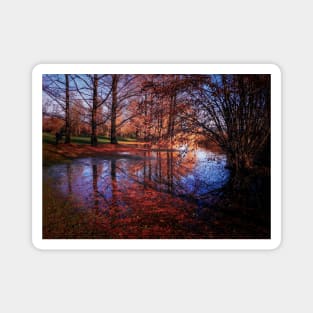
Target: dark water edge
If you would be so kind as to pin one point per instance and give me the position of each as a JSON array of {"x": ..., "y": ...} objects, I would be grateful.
[
  {"x": 243, "y": 206},
  {"x": 163, "y": 195}
]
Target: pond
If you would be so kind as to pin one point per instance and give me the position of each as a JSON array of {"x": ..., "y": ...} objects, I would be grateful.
[{"x": 157, "y": 194}]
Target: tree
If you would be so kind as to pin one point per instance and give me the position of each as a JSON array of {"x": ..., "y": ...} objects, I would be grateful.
[
  {"x": 124, "y": 89},
  {"x": 67, "y": 110},
  {"x": 94, "y": 90},
  {"x": 234, "y": 112},
  {"x": 57, "y": 88},
  {"x": 115, "y": 79},
  {"x": 95, "y": 106},
  {"x": 165, "y": 99},
  {"x": 79, "y": 121}
]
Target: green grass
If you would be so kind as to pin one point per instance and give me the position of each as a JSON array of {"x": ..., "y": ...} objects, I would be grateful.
[{"x": 50, "y": 138}]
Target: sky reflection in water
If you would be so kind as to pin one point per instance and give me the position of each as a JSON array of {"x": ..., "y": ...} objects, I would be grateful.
[
  {"x": 159, "y": 194},
  {"x": 191, "y": 174}
]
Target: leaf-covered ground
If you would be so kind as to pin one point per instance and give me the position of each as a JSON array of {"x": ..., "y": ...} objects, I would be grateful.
[
  {"x": 97, "y": 205},
  {"x": 140, "y": 212}
]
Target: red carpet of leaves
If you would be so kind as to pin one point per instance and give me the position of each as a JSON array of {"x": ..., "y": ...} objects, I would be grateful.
[{"x": 135, "y": 214}]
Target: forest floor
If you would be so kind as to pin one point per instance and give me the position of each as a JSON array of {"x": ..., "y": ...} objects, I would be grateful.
[
  {"x": 80, "y": 147},
  {"x": 141, "y": 211}
]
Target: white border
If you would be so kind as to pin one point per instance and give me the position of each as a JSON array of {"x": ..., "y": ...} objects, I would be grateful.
[{"x": 156, "y": 244}]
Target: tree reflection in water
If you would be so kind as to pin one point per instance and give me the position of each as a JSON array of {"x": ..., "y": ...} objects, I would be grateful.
[{"x": 160, "y": 194}]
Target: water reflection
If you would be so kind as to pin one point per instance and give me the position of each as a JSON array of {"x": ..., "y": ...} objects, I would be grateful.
[
  {"x": 69, "y": 178},
  {"x": 95, "y": 185},
  {"x": 160, "y": 194},
  {"x": 190, "y": 175}
]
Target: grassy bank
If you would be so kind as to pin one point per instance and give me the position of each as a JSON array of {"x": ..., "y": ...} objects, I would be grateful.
[
  {"x": 50, "y": 139},
  {"x": 80, "y": 147}
]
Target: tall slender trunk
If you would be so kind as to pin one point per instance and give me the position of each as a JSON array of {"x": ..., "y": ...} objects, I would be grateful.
[
  {"x": 145, "y": 108},
  {"x": 67, "y": 111},
  {"x": 113, "y": 109},
  {"x": 94, "y": 139},
  {"x": 171, "y": 119}
]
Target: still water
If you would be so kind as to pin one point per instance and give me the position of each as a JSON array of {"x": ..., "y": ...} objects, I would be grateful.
[
  {"x": 158, "y": 194},
  {"x": 179, "y": 173}
]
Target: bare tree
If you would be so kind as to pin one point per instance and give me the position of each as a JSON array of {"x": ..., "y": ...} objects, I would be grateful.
[
  {"x": 124, "y": 89},
  {"x": 94, "y": 90},
  {"x": 67, "y": 110},
  {"x": 57, "y": 89},
  {"x": 114, "y": 104},
  {"x": 231, "y": 110},
  {"x": 165, "y": 100},
  {"x": 234, "y": 112}
]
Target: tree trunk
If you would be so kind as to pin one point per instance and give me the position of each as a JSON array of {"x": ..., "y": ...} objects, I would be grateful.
[
  {"x": 113, "y": 109},
  {"x": 145, "y": 129},
  {"x": 94, "y": 139},
  {"x": 239, "y": 161},
  {"x": 67, "y": 111},
  {"x": 171, "y": 119}
]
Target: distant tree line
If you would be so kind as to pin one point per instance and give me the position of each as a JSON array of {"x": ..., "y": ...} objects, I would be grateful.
[{"x": 232, "y": 111}]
